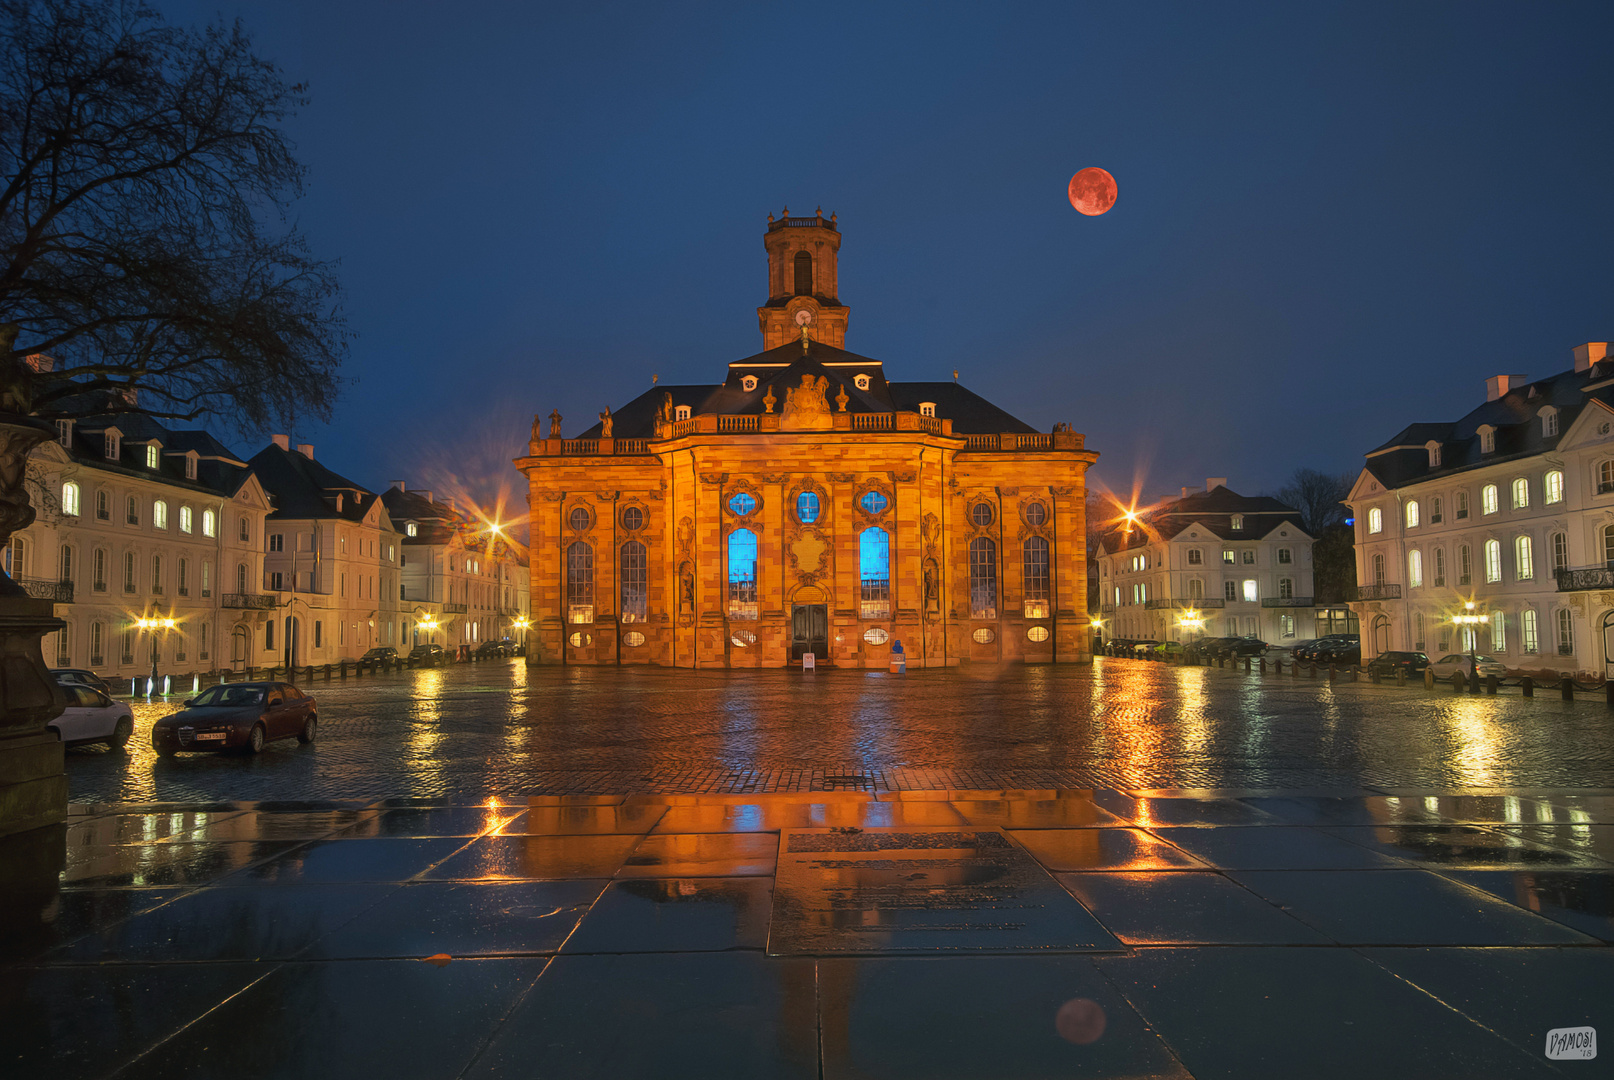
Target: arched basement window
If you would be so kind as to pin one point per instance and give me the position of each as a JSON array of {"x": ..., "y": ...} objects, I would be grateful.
[{"x": 874, "y": 569}]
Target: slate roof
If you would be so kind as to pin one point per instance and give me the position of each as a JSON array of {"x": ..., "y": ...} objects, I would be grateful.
[
  {"x": 434, "y": 522},
  {"x": 1516, "y": 417},
  {"x": 303, "y": 489},
  {"x": 1214, "y": 510},
  {"x": 218, "y": 471},
  {"x": 782, "y": 368}
]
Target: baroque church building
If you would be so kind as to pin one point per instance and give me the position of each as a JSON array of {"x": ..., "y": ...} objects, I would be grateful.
[{"x": 805, "y": 504}]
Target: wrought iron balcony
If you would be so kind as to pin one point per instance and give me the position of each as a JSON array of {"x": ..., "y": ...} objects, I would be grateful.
[
  {"x": 1582, "y": 578},
  {"x": 1199, "y": 603},
  {"x": 1378, "y": 592},
  {"x": 257, "y": 601},
  {"x": 454, "y": 609},
  {"x": 45, "y": 589},
  {"x": 1287, "y": 601}
]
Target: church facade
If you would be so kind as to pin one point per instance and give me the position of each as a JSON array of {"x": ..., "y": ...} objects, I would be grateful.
[{"x": 806, "y": 504}]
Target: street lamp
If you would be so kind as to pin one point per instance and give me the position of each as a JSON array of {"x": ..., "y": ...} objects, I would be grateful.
[
  {"x": 1471, "y": 622},
  {"x": 1191, "y": 620},
  {"x": 152, "y": 626}
]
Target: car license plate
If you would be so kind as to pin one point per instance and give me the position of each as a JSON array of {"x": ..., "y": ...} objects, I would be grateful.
[{"x": 211, "y": 735}]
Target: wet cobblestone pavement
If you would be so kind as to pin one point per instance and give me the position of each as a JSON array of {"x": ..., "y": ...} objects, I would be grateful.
[
  {"x": 472, "y": 731},
  {"x": 1125, "y": 871}
]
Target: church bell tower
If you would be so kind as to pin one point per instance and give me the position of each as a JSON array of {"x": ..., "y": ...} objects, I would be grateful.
[{"x": 802, "y": 277}]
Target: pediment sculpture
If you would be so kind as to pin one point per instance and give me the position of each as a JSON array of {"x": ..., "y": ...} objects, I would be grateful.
[{"x": 806, "y": 407}]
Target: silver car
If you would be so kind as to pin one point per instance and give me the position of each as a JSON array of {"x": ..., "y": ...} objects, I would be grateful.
[
  {"x": 1453, "y": 663},
  {"x": 92, "y": 717}
]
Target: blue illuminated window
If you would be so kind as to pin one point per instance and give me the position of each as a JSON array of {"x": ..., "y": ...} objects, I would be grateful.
[
  {"x": 742, "y": 504},
  {"x": 742, "y": 574},
  {"x": 874, "y": 569},
  {"x": 807, "y": 507},
  {"x": 873, "y": 502}
]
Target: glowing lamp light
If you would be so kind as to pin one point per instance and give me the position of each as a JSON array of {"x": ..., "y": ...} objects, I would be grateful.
[{"x": 155, "y": 624}]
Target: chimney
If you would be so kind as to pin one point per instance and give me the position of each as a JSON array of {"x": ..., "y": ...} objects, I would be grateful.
[
  {"x": 1590, "y": 353},
  {"x": 1214, "y": 482},
  {"x": 1185, "y": 493},
  {"x": 425, "y": 495},
  {"x": 281, "y": 441},
  {"x": 398, "y": 485},
  {"x": 449, "y": 503},
  {"x": 1497, "y": 385},
  {"x": 307, "y": 450}
]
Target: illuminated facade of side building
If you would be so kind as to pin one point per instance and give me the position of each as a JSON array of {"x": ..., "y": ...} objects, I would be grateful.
[{"x": 806, "y": 504}]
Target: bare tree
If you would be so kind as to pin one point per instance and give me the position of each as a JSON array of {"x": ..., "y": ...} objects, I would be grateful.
[
  {"x": 1318, "y": 496},
  {"x": 144, "y": 235}
]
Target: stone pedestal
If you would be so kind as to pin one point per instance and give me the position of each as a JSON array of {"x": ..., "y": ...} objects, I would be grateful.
[{"x": 33, "y": 785}]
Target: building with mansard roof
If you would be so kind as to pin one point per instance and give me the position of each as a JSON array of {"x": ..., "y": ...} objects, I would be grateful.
[
  {"x": 807, "y": 504},
  {"x": 1510, "y": 508},
  {"x": 1231, "y": 564}
]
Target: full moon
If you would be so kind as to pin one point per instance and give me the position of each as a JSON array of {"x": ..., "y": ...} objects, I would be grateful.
[{"x": 1092, "y": 191}]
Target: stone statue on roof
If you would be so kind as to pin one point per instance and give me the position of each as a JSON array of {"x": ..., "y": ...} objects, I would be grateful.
[
  {"x": 606, "y": 423},
  {"x": 537, "y": 437},
  {"x": 806, "y": 407},
  {"x": 554, "y": 424}
]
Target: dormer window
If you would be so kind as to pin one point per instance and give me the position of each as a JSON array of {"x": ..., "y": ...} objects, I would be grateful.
[
  {"x": 749, "y": 383},
  {"x": 681, "y": 412},
  {"x": 860, "y": 381},
  {"x": 1487, "y": 438},
  {"x": 154, "y": 456},
  {"x": 1238, "y": 521},
  {"x": 64, "y": 433},
  {"x": 411, "y": 529},
  {"x": 927, "y": 408},
  {"x": 338, "y": 504},
  {"x": 190, "y": 465},
  {"x": 1434, "y": 453},
  {"x": 114, "y": 445},
  {"x": 1549, "y": 421}
]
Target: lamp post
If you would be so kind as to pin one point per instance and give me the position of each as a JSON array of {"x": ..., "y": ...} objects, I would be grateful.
[
  {"x": 151, "y": 626},
  {"x": 1190, "y": 620},
  {"x": 522, "y": 624},
  {"x": 1471, "y": 622}
]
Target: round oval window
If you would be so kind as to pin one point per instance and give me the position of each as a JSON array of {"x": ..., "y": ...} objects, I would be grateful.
[
  {"x": 580, "y": 639},
  {"x": 874, "y": 635},
  {"x": 807, "y": 507},
  {"x": 633, "y": 518},
  {"x": 1037, "y": 633},
  {"x": 742, "y": 504},
  {"x": 981, "y": 514},
  {"x": 873, "y": 502},
  {"x": 579, "y": 518},
  {"x": 985, "y": 635},
  {"x": 743, "y": 638},
  {"x": 633, "y": 639},
  {"x": 1036, "y": 514}
]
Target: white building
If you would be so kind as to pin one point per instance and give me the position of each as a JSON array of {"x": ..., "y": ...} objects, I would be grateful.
[
  {"x": 1511, "y": 508},
  {"x": 1242, "y": 563}
]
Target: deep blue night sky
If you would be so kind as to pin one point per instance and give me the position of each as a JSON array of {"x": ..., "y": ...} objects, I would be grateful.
[{"x": 1334, "y": 219}]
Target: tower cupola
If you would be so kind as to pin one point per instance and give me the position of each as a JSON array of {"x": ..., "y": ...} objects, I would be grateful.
[{"x": 802, "y": 278}]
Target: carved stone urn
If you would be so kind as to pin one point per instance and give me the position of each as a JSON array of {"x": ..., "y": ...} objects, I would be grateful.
[{"x": 33, "y": 785}]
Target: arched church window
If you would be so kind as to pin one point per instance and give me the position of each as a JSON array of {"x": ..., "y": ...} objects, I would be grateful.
[
  {"x": 874, "y": 570},
  {"x": 635, "y": 582},
  {"x": 804, "y": 273},
  {"x": 579, "y": 583},
  {"x": 742, "y": 574},
  {"x": 1035, "y": 558},
  {"x": 983, "y": 578}
]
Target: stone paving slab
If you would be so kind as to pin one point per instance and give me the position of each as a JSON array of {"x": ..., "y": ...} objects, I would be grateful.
[{"x": 516, "y": 945}]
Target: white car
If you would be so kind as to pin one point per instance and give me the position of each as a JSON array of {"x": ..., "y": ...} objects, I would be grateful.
[
  {"x": 1453, "y": 663},
  {"x": 91, "y": 716}
]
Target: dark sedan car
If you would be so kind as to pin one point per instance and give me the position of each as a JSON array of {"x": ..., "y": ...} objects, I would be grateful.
[
  {"x": 237, "y": 716},
  {"x": 490, "y": 649},
  {"x": 1339, "y": 653},
  {"x": 381, "y": 654},
  {"x": 427, "y": 654},
  {"x": 1388, "y": 663}
]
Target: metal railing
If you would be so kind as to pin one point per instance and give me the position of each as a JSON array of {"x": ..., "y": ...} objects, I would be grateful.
[
  {"x": 45, "y": 589},
  {"x": 1193, "y": 602},
  {"x": 803, "y": 222},
  {"x": 1287, "y": 601},
  {"x": 1585, "y": 577},
  {"x": 257, "y": 601},
  {"x": 1378, "y": 592}
]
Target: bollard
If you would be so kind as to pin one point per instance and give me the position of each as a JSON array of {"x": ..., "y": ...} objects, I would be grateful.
[
  {"x": 1567, "y": 686},
  {"x": 1401, "y": 676},
  {"x": 1428, "y": 678},
  {"x": 1311, "y": 672},
  {"x": 1474, "y": 681},
  {"x": 1246, "y": 665},
  {"x": 1263, "y": 665},
  {"x": 1294, "y": 670},
  {"x": 1373, "y": 675},
  {"x": 1332, "y": 673},
  {"x": 1528, "y": 686},
  {"x": 1490, "y": 685},
  {"x": 1356, "y": 673},
  {"x": 1457, "y": 682}
]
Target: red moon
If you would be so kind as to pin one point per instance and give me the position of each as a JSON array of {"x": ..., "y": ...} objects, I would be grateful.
[{"x": 1092, "y": 191}]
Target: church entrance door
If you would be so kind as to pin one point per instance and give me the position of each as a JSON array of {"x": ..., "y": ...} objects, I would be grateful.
[{"x": 809, "y": 631}]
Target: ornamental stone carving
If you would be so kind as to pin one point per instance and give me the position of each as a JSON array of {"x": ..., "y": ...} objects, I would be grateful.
[{"x": 806, "y": 408}]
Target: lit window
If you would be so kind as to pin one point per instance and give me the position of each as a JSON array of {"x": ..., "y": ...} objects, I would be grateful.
[
  {"x": 860, "y": 381},
  {"x": 874, "y": 573},
  {"x": 1286, "y": 588},
  {"x": 1521, "y": 493},
  {"x": 742, "y": 574},
  {"x": 1499, "y": 632},
  {"x": 153, "y": 457},
  {"x": 1412, "y": 514},
  {"x": 1487, "y": 438},
  {"x": 185, "y": 519},
  {"x": 873, "y": 502},
  {"x": 159, "y": 514},
  {"x": 927, "y": 408},
  {"x": 1488, "y": 499},
  {"x": 411, "y": 529},
  {"x": 1035, "y": 566},
  {"x": 1549, "y": 422},
  {"x": 681, "y": 412},
  {"x": 1527, "y": 626},
  {"x": 1414, "y": 569},
  {"x": 748, "y": 383},
  {"x": 1434, "y": 454},
  {"x": 70, "y": 499},
  {"x": 1238, "y": 521},
  {"x": 1523, "y": 559},
  {"x": 807, "y": 507},
  {"x": 1228, "y": 558},
  {"x": 209, "y": 523},
  {"x": 1552, "y": 487},
  {"x": 983, "y": 578},
  {"x": 113, "y": 446},
  {"x": 190, "y": 466},
  {"x": 1375, "y": 520},
  {"x": 579, "y": 583},
  {"x": 1286, "y": 625},
  {"x": 635, "y": 582},
  {"x": 1251, "y": 593},
  {"x": 1493, "y": 561},
  {"x": 1605, "y": 477},
  {"x": 740, "y": 504}
]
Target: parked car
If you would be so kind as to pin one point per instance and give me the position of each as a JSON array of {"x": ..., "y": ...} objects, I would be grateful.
[
  {"x": 1338, "y": 653},
  {"x": 91, "y": 717},
  {"x": 1166, "y": 650},
  {"x": 1388, "y": 663},
  {"x": 381, "y": 654},
  {"x": 1453, "y": 663},
  {"x": 426, "y": 654},
  {"x": 80, "y": 677},
  {"x": 489, "y": 649},
  {"x": 1140, "y": 647},
  {"x": 1248, "y": 646},
  {"x": 1310, "y": 650},
  {"x": 237, "y": 716}
]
